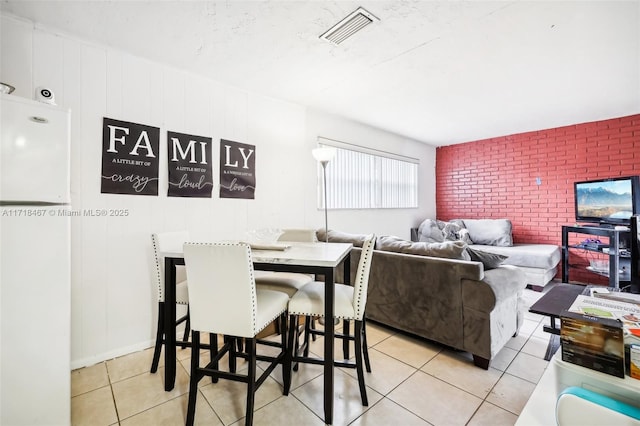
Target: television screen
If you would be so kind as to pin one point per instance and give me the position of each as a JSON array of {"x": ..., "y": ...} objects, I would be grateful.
[{"x": 605, "y": 201}]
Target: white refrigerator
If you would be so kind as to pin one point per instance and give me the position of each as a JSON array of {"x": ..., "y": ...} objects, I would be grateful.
[{"x": 35, "y": 281}]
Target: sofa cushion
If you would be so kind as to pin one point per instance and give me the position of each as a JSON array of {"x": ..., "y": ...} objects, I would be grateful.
[
  {"x": 437, "y": 231},
  {"x": 543, "y": 256},
  {"x": 342, "y": 237},
  {"x": 493, "y": 232},
  {"x": 489, "y": 260},
  {"x": 455, "y": 231},
  {"x": 447, "y": 249},
  {"x": 506, "y": 281},
  {"x": 430, "y": 231}
]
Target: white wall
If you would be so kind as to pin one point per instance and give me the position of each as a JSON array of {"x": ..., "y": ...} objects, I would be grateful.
[{"x": 113, "y": 298}]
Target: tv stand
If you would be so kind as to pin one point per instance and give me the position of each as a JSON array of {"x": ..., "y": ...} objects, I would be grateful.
[{"x": 617, "y": 260}]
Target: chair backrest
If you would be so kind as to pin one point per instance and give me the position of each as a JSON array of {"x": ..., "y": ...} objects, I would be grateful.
[
  {"x": 163, "y": 242},
  {"x": 299, "y": 235},
  {"x": 222, "y": 290},
  {"x": 361, "y": 285}
]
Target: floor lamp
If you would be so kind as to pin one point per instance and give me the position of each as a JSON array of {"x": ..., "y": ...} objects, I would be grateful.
[{"x": 323, "y": 155}]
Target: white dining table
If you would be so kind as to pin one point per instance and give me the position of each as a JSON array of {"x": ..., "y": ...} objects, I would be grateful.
[{"x": 310, "y": 258}]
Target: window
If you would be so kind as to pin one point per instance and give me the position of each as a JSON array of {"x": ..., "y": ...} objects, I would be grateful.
[{"x": 363, "y": 178}]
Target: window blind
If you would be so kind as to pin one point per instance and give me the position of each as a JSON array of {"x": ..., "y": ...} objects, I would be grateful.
[{"x": 363, "y": 178}]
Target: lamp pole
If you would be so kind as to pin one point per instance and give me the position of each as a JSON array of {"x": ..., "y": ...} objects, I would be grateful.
[
  {"x": 323, "y": 155},
  {"x": 324, "y": 190}
]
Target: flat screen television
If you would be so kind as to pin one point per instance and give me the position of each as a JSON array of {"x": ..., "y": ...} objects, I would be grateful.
[{"x": 607, "y": 201}]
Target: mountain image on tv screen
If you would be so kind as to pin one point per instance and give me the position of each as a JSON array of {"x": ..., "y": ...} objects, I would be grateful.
[{"x": 606, "y": 200}]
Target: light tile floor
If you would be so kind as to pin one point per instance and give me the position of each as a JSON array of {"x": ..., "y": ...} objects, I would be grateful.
[{"x": 414, "y": 382}]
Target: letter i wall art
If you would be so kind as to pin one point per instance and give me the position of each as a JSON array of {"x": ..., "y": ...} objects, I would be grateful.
[
  {"x": 130, "y": 163},
  {"x": 190, "y": 173}
]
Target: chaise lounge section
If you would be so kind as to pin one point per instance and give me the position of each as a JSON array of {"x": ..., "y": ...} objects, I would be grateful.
[{"x": 539, "y": 262}]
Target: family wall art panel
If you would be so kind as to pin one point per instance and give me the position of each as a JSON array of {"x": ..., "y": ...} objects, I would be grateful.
[
  {"x": 129, "y": 158},
  {"x": 190, "y": 168},
  {"x": 237, "y": 170}
]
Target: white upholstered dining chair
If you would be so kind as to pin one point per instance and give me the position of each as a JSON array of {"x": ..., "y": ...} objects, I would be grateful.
[
  {"x": 223, "y": 299},
  {"x": 161, "y": 242},
  {"x": 288, "y": 282},
  {"x": 350, "y": 303}
]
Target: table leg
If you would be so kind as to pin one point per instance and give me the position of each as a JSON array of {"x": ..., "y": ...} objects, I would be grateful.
[
  {"x": 554, "y": 339},
  {"x": 169, "y": 323},
  {"x": 552, "y": 347},
  {"x": 329, "y": 333}
]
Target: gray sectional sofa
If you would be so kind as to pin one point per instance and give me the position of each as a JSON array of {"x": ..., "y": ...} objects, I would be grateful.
[
  {"x": 539, "y": 262},
  {"x": 428, "y": 290}
]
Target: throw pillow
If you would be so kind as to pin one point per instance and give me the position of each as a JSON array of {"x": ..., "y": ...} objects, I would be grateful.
[
  {"x": 447, "y": 249},
  {"x": 451, "y": 231},
  {"x": 430, "y": 232},
  {"x": 489, "y": 260},
  {"x": 464, "y": 236},
  {"x": 492, "y": 232},
  {"x": 342, "y": 237},
  {"x": 454, "y": 231}
]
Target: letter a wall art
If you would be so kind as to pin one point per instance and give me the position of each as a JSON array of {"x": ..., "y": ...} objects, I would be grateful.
[{"x": 129, "y": 158}]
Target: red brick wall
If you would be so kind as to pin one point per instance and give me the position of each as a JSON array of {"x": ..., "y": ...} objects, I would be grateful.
[{"x": 496, "y": 178}]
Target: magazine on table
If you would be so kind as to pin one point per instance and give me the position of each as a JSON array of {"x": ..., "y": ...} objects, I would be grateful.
[{"x": 627, "y": 313}]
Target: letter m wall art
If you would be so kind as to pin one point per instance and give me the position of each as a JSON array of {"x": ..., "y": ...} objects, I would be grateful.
[{"x": 190, "y": 168}]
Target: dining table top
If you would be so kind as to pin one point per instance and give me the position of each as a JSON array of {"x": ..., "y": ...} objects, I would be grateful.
[{"x": 300, "y": 253}]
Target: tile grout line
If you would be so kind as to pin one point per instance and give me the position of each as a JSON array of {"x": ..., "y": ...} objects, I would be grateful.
[{"x": 113, "y": 395}]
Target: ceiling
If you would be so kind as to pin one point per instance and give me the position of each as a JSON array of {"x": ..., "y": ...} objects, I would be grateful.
[{"x": 440, "y": 72}]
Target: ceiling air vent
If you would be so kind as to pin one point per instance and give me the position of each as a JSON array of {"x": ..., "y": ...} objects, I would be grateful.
[{"x": 350, "y": 25}]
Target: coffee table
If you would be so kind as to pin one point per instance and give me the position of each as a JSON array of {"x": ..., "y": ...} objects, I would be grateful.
[{"x": 556, "y": 300}]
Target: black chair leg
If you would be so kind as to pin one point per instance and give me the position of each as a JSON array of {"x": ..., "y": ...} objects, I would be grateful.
[
  {"x": 187, "y": 329},
  {"x": 278, "y": 330},
  {"x": 213, "y": 352},
  {"x": 159, "y": 336},
  {"x": 286, "y": 362},
  {"x": 251, "y": 380},
  {"x": 193, "y": 381},
  {"x": 232, "y": 352},
  {"x": 365, "y": 346},
  {"x": 345, "y": 342},
  {"x": 305, "y": 340},
  {"x": 313, "y": 325},
  {"x": 293, "y": 345},
  {"x": 358, "y": 354}
]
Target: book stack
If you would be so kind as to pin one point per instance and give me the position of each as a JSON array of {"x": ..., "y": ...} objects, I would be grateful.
[{"x": 602, "y": 332}]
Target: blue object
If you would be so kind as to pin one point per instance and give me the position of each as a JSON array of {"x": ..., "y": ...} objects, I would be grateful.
[{"x": 602, "y": 400}]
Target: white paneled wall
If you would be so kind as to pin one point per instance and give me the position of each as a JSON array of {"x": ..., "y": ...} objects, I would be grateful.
[{"x": 113, "y": 298}]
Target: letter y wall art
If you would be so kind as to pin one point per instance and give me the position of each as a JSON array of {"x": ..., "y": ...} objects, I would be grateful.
[{"x": 130, "y": 163}]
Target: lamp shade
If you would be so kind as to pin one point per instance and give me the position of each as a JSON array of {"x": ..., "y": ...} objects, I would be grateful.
[{"x": 324, "y": 154}]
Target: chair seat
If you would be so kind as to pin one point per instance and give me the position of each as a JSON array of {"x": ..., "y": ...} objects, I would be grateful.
[
  {"x": 270, "y": 304},
  {"x": 182, "y": 293},
  {"x": 309, "y": 300},
  {"x": 287, "y": 282}
]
